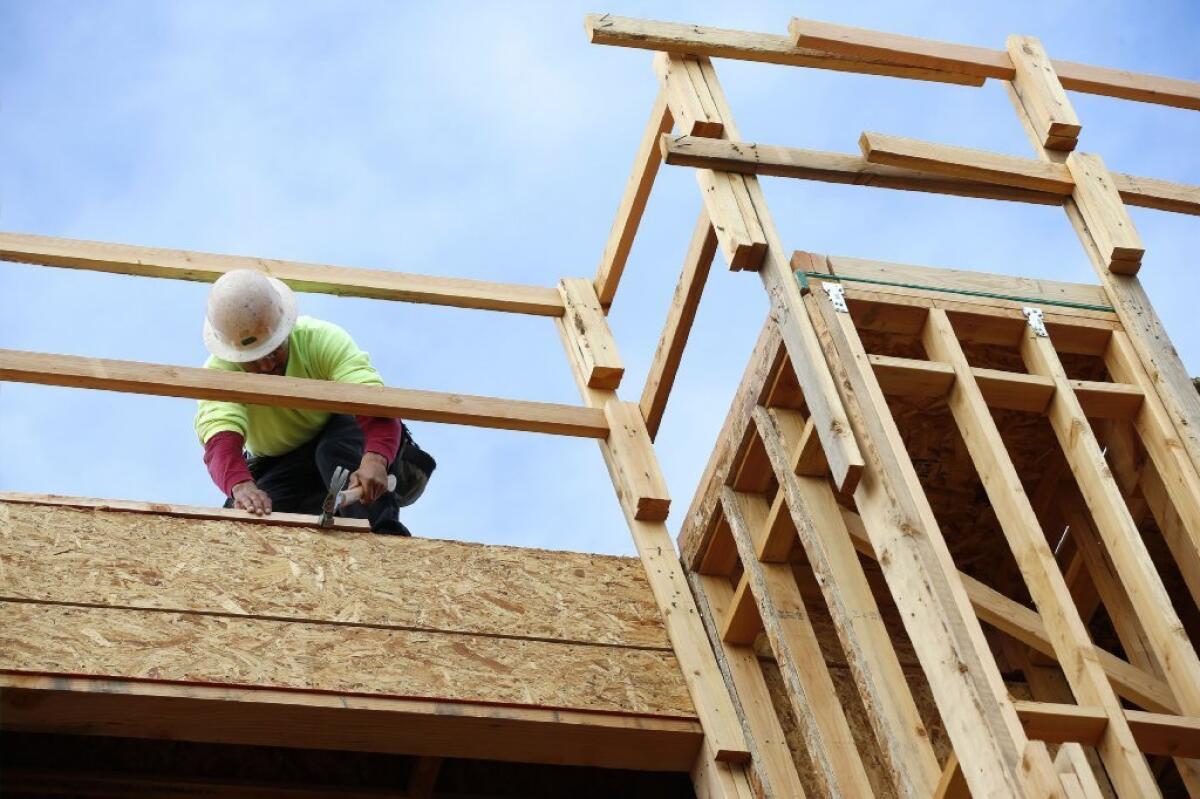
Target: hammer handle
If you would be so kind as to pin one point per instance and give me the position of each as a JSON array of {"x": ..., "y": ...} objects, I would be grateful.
[{"x": 352, "y": 495}]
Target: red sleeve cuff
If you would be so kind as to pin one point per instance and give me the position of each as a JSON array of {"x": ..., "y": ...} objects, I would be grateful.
[
  {"x": 225, "y": 461},
  {"x": 381, "y": 436}
]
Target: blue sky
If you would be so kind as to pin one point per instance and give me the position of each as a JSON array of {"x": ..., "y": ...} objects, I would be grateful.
[{"x": 488, "y": 140}]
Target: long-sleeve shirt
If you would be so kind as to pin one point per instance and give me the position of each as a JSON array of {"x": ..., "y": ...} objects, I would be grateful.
[{"x": 317, "y": 350}]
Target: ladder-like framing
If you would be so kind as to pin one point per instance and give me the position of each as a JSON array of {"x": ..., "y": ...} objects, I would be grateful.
[{"x": 739, "y": 521}]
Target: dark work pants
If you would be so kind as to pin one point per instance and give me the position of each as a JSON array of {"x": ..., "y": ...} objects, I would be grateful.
[{"x": 298, "y": 481}]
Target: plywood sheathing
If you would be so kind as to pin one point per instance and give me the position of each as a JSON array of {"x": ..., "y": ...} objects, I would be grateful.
[
  {"x": 234, "y": 650},
  {"x": 162, "y": 562}
]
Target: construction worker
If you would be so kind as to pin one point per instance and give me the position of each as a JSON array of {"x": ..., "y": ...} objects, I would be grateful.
[{"x": 252, "y": 326}]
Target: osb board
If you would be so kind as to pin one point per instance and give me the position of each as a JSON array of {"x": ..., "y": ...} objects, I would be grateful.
[
  {"x": 229, "y": 650},
  {"x": 146, "y": 560}
]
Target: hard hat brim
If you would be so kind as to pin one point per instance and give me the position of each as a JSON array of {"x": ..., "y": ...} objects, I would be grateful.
[{"x": 287, "y": 321}]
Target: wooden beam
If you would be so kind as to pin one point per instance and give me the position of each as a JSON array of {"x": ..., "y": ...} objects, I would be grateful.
[
  {"x": 688, "y": 97},
  {"x": 810, "y": 690},
  {"x": 979, "y": 166},
  {"x": 770, "y": 753},
  {"x": 1001, "y": 289},
  {"x": 633, "y": 203},
  {"x": 800, "y": 338},
  {"x": 952, "y": 785},
  {"x": 778, "y": 537},
  {"x": 1155, "y": 733},
  {"x": 583, "y": 318},
  {"x": 724, "y": 740},
  {"x": 680, "y": 316},
  {"x": 1056, "y": 123},
  {"x": 763, "y": 159},
  {"x": 814, "y": 515},
  {"x": 124, "y": 259},
  {"x": 697, "y": 40},
  {"x": 291, "y": 392},
  {"x": 640, "y": 483},
  {"x": 926, "y": 586},
  {"x": 1034, "y": 558},
  {"x": 1122, "y": 540},
  {"x": 1104, "y": 214},
  {"x": 264, "y": 717},
  {"x": 979, "y": 61},
  {"x": 741, "y": 624},
  {"x": 935, "y": 176},
  {"x": 809, "y": 460}
]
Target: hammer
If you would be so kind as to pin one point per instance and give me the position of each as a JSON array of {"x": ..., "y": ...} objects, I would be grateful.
[{"x": 336, "y": 498}]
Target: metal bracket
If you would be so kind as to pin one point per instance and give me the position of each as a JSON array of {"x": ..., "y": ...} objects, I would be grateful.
[
  {"x": 1037, "y": 321},
  {"x": 837, "y": 296}
]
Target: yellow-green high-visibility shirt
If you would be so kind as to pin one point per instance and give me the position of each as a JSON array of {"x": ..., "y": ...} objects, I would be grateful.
[{"x": 316, "y": 350}]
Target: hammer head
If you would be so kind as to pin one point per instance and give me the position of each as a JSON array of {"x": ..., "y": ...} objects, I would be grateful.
[{"x": 330, "y": 505}]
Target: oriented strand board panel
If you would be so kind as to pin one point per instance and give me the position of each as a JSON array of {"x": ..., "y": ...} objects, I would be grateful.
[
  {"x": 347, "y": 659},
  {"x": 146, "y": 560}
]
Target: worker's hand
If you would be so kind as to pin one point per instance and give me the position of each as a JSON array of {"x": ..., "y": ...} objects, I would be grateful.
[
  {"x": 372, "y": 476},
  {"x": 248, "y": 496}
]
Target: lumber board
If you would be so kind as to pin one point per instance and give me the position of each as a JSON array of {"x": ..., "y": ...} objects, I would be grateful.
[
  {"x": 342, "y": 281},
  {"x": 583, "y": 318},
  {"x": 937, "y": 176},
  {"x": 1034, "y": 78},
  {"x": 751, "y": 158},
  {"x": 741, "y": 623},
  {"x": 1155, "y": 733},
  {"x": 799, "y": 337},
  {"x": 770, "y": 754},
  {"x": 983, "y": 286},
  {"x": 809, "y": 460},
  {"x": 1035, "y": 559},
  {"x": 811, "y": 693},
  {"x": 680, "y": 316},
  {"x": 911, "y": 51},
  {"x": 291, "y": 392},
  {"x": 688, "y": 97},
  {"x": 633, "y": 203},
  {"x": 1104, "y": 214},
  {"x": 968, "y": 164},
  {"x": 983, "y": 62},
  {"x": 925, "y": 584},
  {"x": 724, "y": 740},
  {"x": 952, "y": 785},
  {"x": 80, "y": 641},
  {"x": 687, "y": 39},
  {"x": 812, "y": 508},
  {"x": 265, "y": 717},
  {"x": 641, "y": 486},
  {"x": 158, "y": 561}
]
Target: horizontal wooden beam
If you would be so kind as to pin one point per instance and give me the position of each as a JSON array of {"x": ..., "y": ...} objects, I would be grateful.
[
  {"x": 966, "y": 163},
  {"x": 983, "y": 62},
  {"x": 290, "y": 392},
  {"x": 697, "y": 40},
  {"x": 981, "y": 286},
  {"x": 944, "y": 170},
  {"x": 264, "y": 717},
  {"x": 1155, "y": 733},
  {"x": 1014, "y": 391},
  {"x": 124, "y": 259}
]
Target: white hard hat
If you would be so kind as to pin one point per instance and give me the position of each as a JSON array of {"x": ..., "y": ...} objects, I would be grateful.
[{"x": 249, "y": 315}]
